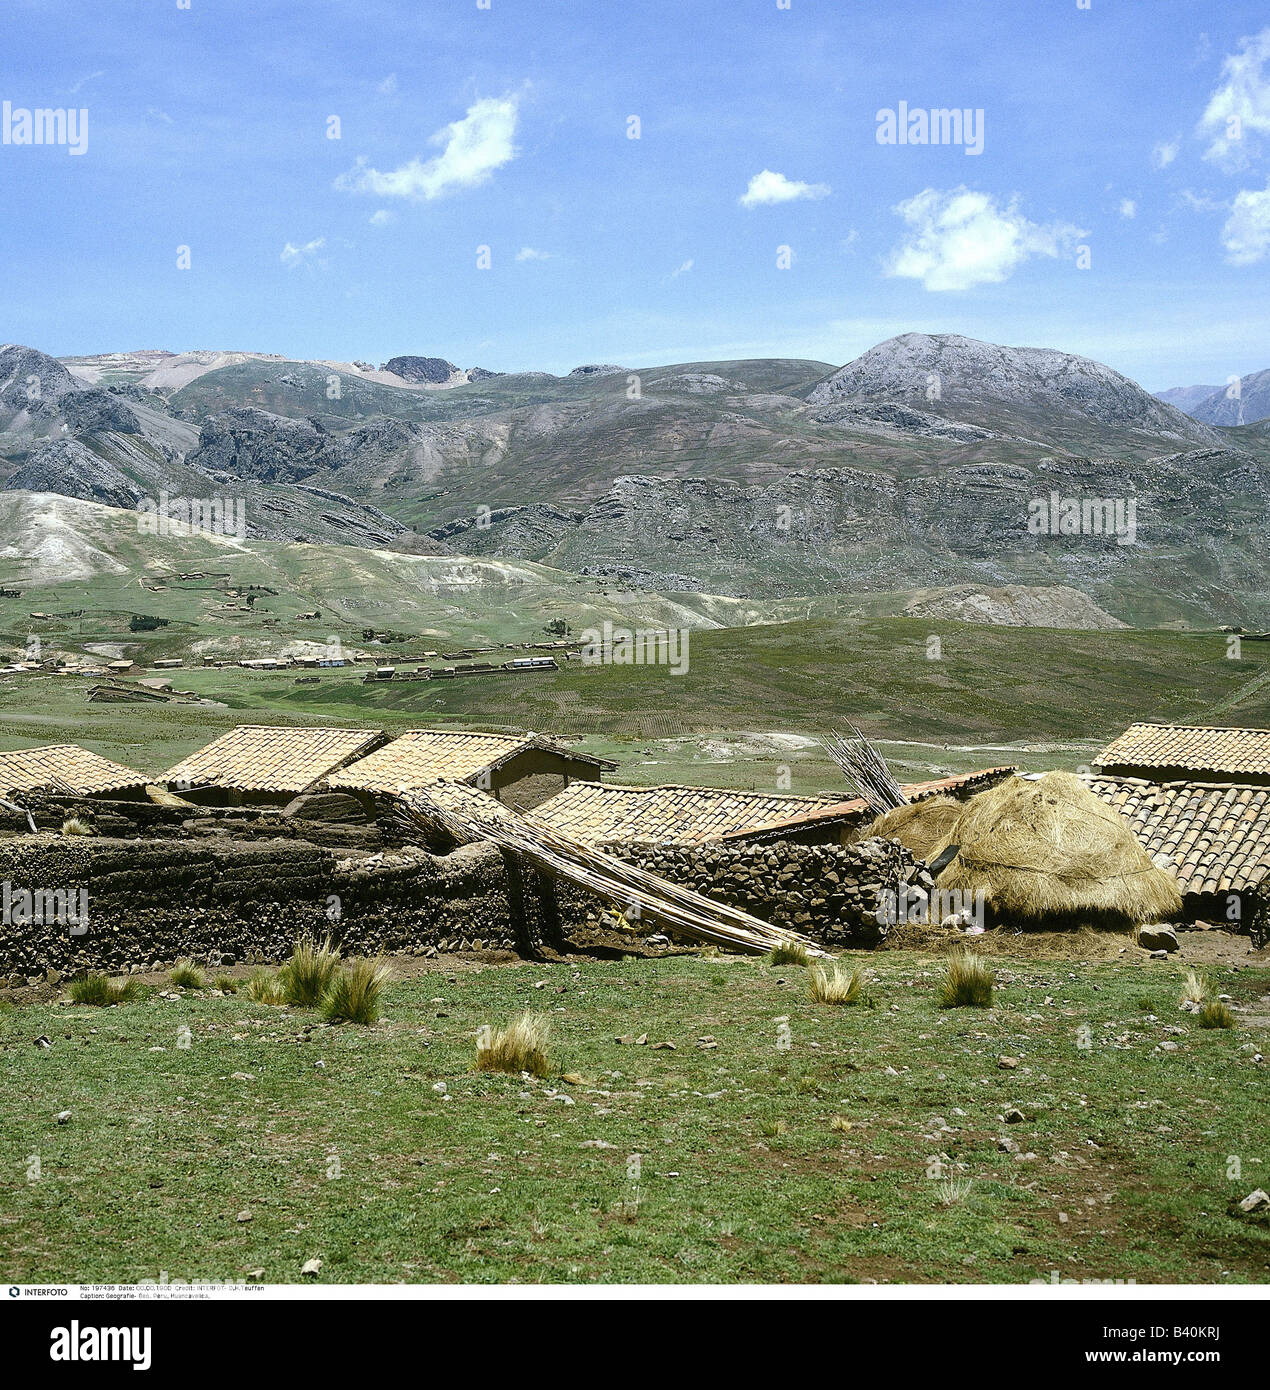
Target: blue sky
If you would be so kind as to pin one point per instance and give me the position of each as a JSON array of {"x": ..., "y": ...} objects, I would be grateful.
[{"x": 507, "y": 128}]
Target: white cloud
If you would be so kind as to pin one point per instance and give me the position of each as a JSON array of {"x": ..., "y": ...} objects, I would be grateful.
[
  {"x": 530, "y": 253},
  {"x": 471, "y": 149},
  {"x": 382, "y": 218},
  {"x": 293, "y": 255},
  {"x": 680, "y": 270},
  {"x": 1164, "y": 152},
  {"x": 1128, "y": 208},
  {"x": 768, "y": 187},
  {"x": 960, "y": 239},
  {"x": 1240, "y": 107},
  {"x": 1246, "y": 235}
]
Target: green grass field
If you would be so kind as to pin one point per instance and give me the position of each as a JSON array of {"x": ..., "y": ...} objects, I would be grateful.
[
  {"x": 749, "y": 708},
  {"x": 810, "y": 1143}
]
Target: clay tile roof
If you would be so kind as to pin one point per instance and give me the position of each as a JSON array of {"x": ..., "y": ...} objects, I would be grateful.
[
  {"x": 1213, "y": 838},
  {"x": 1189, "y": 748},
  {"x": 259, "y": 758},
  {"x": 960, "y": 784},
  {"x": 423, "y": 756},
  {"x": 600, "y": 813},
  {"x": 64, "y": 768}
]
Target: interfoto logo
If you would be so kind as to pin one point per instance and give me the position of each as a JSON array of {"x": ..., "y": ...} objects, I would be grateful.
[
  {"x": 182, "y": 516},
  {"x": 46, "y": 125},
  {"x": 1084, "y": 516},
  {"x": 623, "y": 646},
  {"x": 919, "y": 125},
  {"x": 38, "y": 907}
]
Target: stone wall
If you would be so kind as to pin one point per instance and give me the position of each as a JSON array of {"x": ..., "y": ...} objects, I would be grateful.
[
  {"x": 831, "y": 893},
  {"x": 225, "y": 901}
]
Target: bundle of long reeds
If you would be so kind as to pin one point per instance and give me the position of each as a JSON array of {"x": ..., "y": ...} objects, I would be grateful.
[
  {"x": 654, "y": 899},
  {"x": 866, "y": 770}
]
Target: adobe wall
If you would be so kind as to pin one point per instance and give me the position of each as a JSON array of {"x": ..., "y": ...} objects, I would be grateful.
[{"x": 225, "y": 901}]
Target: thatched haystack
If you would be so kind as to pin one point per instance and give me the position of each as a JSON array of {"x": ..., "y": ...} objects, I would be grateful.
[
  {"x": 924, "y": 827},
  {"x": 1049, "y": 853}
]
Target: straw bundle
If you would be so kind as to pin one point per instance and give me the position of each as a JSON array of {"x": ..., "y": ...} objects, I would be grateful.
[
  {"x": 922, "y": 826},
  {"x": 865, "y": 770},
  {"x": 1049, "y": 852}
]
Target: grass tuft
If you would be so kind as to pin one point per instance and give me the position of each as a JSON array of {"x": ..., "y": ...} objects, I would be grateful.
[
  {"x": 520, "y": 1047},
  {"x": 103, "y": 991},
  {"x": 967, "y": 982},
  {"x": 1215, "y": 1014},
  {"x": 187, "y": 975},
  {"x": 835, "y": 986},
  {"x": 788, "y": 953},
  {"x": 353, "y": 994},
  {"x": 307, "y": 976},
  {"x": 1195, "y": 988},
  {"x": 74, "y": 825},
  {"x": 226, "y": 984},
  {"x": 265, "y": 987}
]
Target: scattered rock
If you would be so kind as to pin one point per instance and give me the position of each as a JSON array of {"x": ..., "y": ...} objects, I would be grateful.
[
  {"x": 1157, "y": 938},
  {"x": 1258, "y": 1200},
  {"x": 1007, "y": 1063},
  {"x": 312, "y": 1266}
]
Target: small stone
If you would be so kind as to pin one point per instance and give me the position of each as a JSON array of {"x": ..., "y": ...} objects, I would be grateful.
[
  {"x": 1007, "y": 1063},
  {"x": 1157, "y": 938},
  {"x": 62, "y": 1116},
  {"x": 311, "y": 1266},
  {"x": 1256, "y": 1201},
  {"x": 42, "y": 1041},
  {"x": 1007, "y": 1146},
  {"x": 1014, "y": 1116},
  {"x": 440, "y": 1087},
  {"x": 243, "y": 1216}
]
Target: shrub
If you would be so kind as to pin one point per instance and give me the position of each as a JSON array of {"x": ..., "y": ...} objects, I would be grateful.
[
  {"x": 1215, "y": 1014},
  {"x": 353, "y": 994},
  {"x": 788, "y": 953},
  {"x": 103, "y": 991},
  {"x": 837, "y": 987},
  {"x": 74, "y": 825},
  {"x": 187, "y": 975},
  {"x": 264, "y": 987},
  {"x": 520, "y": 1047},
  {"x": 307, "y": 976},
  {"x": 967, "y": 982}
]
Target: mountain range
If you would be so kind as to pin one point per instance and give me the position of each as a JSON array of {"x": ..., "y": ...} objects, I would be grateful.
[{"x": 911, "y": 469}]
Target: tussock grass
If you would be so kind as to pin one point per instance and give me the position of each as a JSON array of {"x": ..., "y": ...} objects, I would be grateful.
[
  {"x": 102, "y": 990},
  {"x": 968, "y": 982},
  {"x": 307, "y": 976},
  {"x": 1195, "y": 988},
  {"x": 520, "y": 1047},
  {"x": 226, "y": 984},
  {"x": 74, "y": 825},
  {"x": 353, "y": 993},
  {"x": 1215, "y": 1014},
  {"x": 788, "y": 953},
  {"x": 187, "y": 975},
  {"x": 265, "y": 987},
  {"x": 775, "y": 1129},
  {"x": 833, "y": 985}
]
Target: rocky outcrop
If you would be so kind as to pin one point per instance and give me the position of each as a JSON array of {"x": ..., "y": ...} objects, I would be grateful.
[
  {"x": 268, "y": 448},
  {"x": 70, "y": 468},
  {"x": 1244, "y": 405},
  {"x": 421, "y": 371}
]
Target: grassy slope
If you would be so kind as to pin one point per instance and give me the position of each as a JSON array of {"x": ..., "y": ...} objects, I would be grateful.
[
  {"x": 508, "y": 1180},
  {"x": 1037, "y": 697}
]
